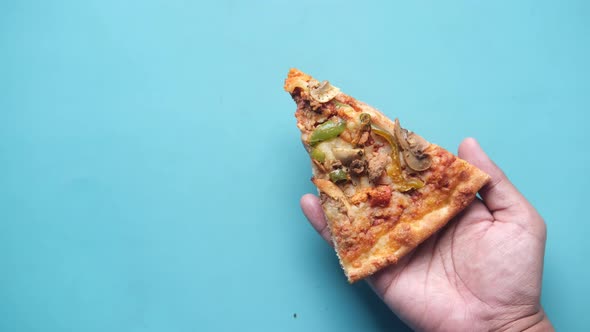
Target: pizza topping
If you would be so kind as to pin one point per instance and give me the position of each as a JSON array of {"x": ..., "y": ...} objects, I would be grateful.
[
  {"x": 416, "y": 163},
  {"x": 332, "y": 190},
  {"x": 363, "y": 138},
  {"x": 358, "y": 166},
  {"x": 365, "y": 119},
  {"x": 339, "y": 104},
  {"x": 339, "y": 175},
  {"x": 364, "y": 130},
  {"x": 400, "y": 135},
  {"x": 322, "y": 92},
  {"x": 347, "y": 155},
  {"x": 377, "y": 164},
  {"x": 380, "y": 196},
  {"x": 318, "y": 155},
  {"x": 413, "y": 147},
  {"x": 326, "y": 131},
  {"x": 394, "y": 170},
  {"x": 335, "y": 163}
]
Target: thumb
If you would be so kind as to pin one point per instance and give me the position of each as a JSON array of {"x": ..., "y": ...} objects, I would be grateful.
[
  {"x": 312, "y": 209},
  {"x": 500, "y": 196}
]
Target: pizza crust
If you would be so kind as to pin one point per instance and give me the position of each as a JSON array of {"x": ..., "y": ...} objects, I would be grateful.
[{"x": 362, "y": 245}]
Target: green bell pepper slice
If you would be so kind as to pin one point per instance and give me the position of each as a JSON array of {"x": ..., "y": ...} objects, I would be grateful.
[{"x": 326, "y": 131}]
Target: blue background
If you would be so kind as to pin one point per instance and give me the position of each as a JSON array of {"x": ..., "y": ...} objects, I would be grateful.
[{"x": 150, "y": 167}]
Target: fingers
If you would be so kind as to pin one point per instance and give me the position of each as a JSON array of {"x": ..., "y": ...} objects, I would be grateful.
[
  {"x": 499, "y": 195},
  {"x": 310, "y": 204}
]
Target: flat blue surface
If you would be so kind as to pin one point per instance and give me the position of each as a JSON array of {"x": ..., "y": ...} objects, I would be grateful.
[{"x": 150, "y": 167}]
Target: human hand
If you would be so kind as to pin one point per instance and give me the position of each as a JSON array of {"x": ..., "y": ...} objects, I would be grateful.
[{"x": 481, "y": 272}]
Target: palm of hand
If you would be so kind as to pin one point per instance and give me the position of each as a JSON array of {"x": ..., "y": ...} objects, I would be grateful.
[
  {"x": 481, "y": 272},
  {"x": 464, "y": 276}
]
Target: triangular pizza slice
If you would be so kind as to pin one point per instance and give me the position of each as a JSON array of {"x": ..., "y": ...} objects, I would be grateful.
[{"x": 384, "y": 189}]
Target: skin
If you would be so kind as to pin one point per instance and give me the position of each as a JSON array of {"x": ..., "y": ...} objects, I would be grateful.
[{"x": 481, "y": 272}]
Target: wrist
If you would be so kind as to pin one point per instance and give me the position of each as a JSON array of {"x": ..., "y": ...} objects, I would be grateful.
[
  {"x": 543, "y": 325},
  {"x": 533, "y": 323}
]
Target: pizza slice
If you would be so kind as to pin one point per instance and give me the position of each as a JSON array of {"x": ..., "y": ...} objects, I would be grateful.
[{"x": 384, "y": 189}]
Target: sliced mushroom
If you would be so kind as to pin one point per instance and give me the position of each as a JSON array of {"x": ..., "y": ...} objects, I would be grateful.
[
  {"x": 322, "y": 92},
  {"x": 416, "y": 163},
  {"x": 400, "y": 135},
  {"x": 334, "y": 164},
  {"x": 347, "y": 155},
  {"x": 417, "y": 144},
  {"x": 357, "y": 166},
  {"x": 413, "y": 147}
]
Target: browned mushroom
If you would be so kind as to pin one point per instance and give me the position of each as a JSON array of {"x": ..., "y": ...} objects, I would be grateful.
[
  {"x": 400, "y": 135},
  {"x": 417, "y": 144},
  {"x": 322, "y": 92},
  {"x": 413, "y": 147},
  {"x": 347, "y": 155},
  {"x": 416, "y": 163},
  {"x": 357, "y": 166}
]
